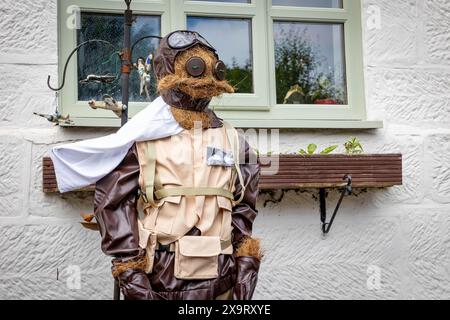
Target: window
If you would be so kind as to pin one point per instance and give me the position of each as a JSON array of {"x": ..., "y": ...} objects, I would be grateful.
[
  {"x": 310, "y": 63},
  {"x": 309, "y": 3},
  {"x": 232, "y": 39},
  {"x": 98, "y": 59},
  {"x": 294, "y": 63}
]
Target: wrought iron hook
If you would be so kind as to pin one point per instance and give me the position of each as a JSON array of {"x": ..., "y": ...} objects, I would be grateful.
[
  {"x": 70, "y": 57},
  {"x": 326, "y": 226}
]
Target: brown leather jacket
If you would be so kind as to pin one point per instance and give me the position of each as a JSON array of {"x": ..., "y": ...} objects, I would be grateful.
[{"x": 116, "y": 213}]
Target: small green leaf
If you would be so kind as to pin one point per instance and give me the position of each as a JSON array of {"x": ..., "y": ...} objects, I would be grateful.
[
  {"x": 312, "y": 148},
  {"x": 329, "y": 150},
  {"x": 302, "y": 151}
]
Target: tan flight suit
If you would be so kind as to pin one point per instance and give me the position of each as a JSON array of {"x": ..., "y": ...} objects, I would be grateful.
[{"x": 190, "y": 193}]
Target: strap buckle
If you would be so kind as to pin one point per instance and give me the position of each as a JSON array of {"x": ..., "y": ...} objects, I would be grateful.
[
  {"x": 144, "y": 197},
  {"x": 142, "y": 194},
  {"x": 165, "y": 247},
  {"x": 162, "y": 247}
]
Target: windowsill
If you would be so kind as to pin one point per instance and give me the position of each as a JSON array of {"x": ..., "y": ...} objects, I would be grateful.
[
  {"x": 307, "y": 124},
  {"x": 256, "y": 124}
]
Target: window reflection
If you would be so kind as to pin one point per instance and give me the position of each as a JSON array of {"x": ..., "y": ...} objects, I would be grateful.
[
  {"x": 310, "y": 63},
  {"x": 232, "y": 39},
  {"x": 309, "y": 3},
  {"x": 98, "y": 59}
]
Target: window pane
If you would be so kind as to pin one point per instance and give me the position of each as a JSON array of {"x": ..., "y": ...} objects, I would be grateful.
[
  {"x": 310, "y": 63},
  {"x": 99, "y": 59},
  {"x": 309, "y": 3},
  {"x": 232, "y": 38},
  {"x": 232, "y": 1}
]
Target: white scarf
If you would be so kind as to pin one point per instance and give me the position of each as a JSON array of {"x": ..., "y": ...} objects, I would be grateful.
[{"x": 83, "y": 163}]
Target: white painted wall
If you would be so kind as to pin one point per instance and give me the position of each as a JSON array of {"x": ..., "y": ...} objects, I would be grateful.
[{"x": 403, "y": 231}]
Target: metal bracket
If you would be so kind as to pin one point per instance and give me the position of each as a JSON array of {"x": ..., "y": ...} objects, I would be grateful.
[
  {"x": 326, "y": 226},
  {"x": 70, "y": 57}
]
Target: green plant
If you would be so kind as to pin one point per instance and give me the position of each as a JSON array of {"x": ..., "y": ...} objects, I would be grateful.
[
  {"x": 329, "y": 150},
  {"x": 311, "y": 149},
  {"x": 259, "y": 154},
  {"x": 353, "y": 146},
  {"x": 324, "y": 89}
]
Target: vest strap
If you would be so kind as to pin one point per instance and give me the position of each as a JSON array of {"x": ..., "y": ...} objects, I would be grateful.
[
  {"x": 173, "y": 192},
  {"x": 224, "y": 244},
  {"x": 150, "y": 171},
  {"x": 233, "y": 138}
]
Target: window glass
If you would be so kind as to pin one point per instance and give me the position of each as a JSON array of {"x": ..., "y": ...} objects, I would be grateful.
[
  {"x": 100, "y": 60},
  {"x": 232, "y": 38},
  {"x": 309, "y": 3},
  {"x": 310, "y": 63}
]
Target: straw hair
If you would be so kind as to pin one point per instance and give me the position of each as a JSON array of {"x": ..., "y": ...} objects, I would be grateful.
[
  {"x": 250, "y": 247},
  {"x": 187, "y": 118},
  {"x": 139, "y": 263},
  {"x": 206, "y": 86}
]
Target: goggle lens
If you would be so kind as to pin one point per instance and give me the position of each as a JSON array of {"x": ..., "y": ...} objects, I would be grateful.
[
  {"x": 183, "y": 39},
  {"x": 195, "y": 67},
  {"x": 220, "y": 70}
]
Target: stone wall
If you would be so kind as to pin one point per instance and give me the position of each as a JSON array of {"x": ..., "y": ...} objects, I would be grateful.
[{"x": 399, "y": 234}]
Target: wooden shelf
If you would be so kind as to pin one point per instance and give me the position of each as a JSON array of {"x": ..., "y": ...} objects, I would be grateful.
[
  {"x": 303, "y": 172},
  {"x": 328, "y": 171}
]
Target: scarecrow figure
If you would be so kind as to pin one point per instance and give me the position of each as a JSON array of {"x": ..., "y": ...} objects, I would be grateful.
[{"x": 192, "y": 174}]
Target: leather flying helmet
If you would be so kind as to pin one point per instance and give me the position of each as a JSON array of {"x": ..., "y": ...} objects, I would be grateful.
[{"x": 189, "y": 72}]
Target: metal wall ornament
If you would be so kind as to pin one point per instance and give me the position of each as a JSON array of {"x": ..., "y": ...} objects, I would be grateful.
[
  {"x": 99, "y": 79},
  {"x": 143, "y": 66},
  {"x": 109, "y": 103},
  {"x": 57, "y": 118}
]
